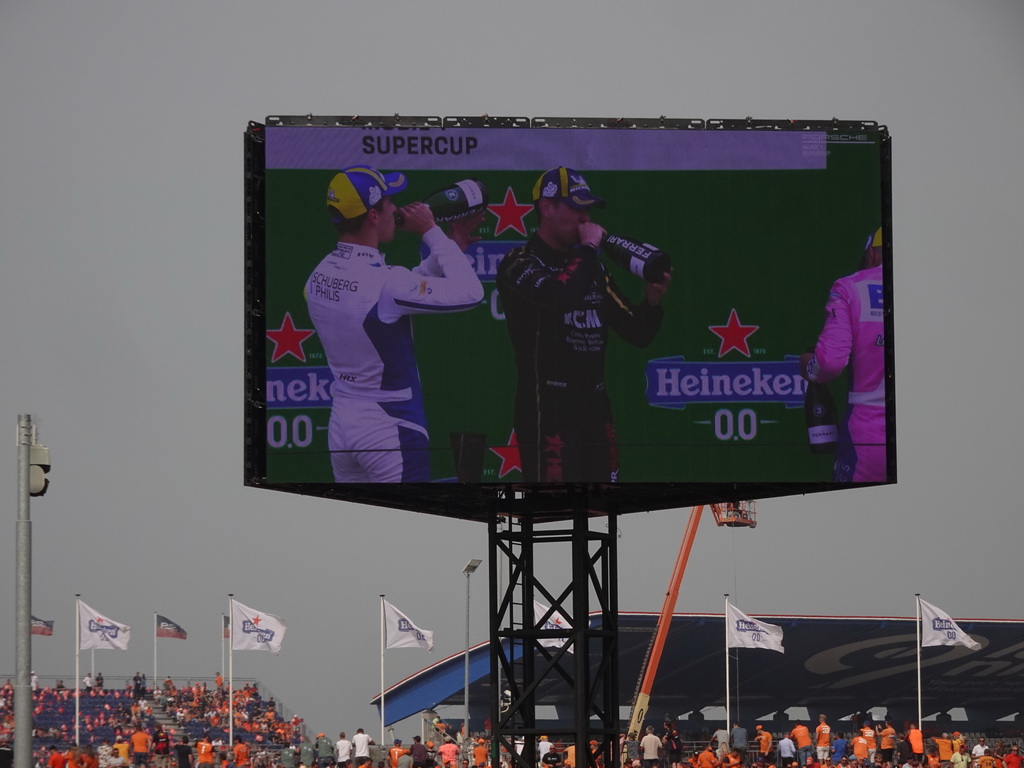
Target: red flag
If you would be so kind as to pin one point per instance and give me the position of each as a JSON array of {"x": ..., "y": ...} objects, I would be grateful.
[{"x": 41, "y": 627}]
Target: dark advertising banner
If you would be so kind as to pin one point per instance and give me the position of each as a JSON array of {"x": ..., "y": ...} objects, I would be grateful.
[{"x": 541, "y": 341}]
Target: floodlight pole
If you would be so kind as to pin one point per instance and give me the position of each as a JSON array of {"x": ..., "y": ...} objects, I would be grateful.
[
  {"x": 23, "y": 615},
  {"x": 469, "y": 570}
]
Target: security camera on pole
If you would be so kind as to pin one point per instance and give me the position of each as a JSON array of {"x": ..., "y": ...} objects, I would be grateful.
[{"x": 33, "y": 464}]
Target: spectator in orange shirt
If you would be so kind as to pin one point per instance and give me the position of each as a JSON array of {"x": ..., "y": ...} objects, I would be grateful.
[
  {"x": 916, "y": 740},
  {"x": 859, "y": 747},
  {"x": 763, "y": 737},
  {"x": 823, "y": 739},
  {"x": 944, "y": 746},
  {"x": 868, "y": 732},
  {"x": 887, "y": 745},
  {"x": 141, "y": 742},
  {"x": 204, "y": 751},
  {"x": 481, "y": 754},
  {"x": 707, "y": 759},
  {"x": 396, "y": 752},
  {"x": 802, "y": 737},
  {"x": 241, "y": 750},
  {"x": 56, "y": 758}
]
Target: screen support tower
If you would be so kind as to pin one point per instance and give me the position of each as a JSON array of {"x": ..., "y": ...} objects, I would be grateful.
[{"x": 561, "y": 652}]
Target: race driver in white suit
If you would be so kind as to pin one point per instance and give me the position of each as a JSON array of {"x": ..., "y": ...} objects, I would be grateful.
[{"x": 361, "y": 308}]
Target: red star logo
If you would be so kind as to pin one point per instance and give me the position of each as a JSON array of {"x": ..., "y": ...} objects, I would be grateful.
[
  {"x": 288, "y": 339},
  {"x": 256, "y": 620},
  {"x": 510, "y": 214},
  {"x": 509, "y": 455},
  {"x": 733, "y": 335}
]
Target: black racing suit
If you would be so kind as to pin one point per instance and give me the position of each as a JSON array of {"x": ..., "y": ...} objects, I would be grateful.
[{"x": 558, "y": 309}]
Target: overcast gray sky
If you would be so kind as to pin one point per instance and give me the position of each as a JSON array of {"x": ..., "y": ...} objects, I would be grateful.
[{"x": 121, "y": 310}]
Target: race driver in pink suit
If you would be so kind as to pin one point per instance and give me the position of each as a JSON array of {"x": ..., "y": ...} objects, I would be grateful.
[{"x": 854, "y": 338}]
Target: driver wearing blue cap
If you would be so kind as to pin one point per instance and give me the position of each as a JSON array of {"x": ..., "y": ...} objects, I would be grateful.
[{"x": 361, "y": 307}]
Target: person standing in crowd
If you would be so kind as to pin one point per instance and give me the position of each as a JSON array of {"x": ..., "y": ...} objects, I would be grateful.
[
  {"x": 763, "y": 739},
  {"x": 823, "y": 739},
  {"x": 650, "y": 745},
  {"x": 307, "y": 753},
  {"x": 961, "y": 758},
  {"x": 361, "y": 746},
  {"x": 944, "y": 747},
  {"x": 916, "y": 740},
  {"x": 867, "y": 730},
  {"x": 343, "y": 750},
  {"x": 839, "y": 747},
  {"x": 449, "y": 753},
  {"x": 887, "y": 742},
  {"x": 183, "y": 753},
  {"x": 325, "y": 754},
  {"x": 787, "y": 750},
  {"x": 396, "y": 751},
  {"x": 240, "y": 753},
  {"x": 161, "y": 749},
  {"x": 802, "y": 737},
  {"x": 979, "y": 749},
  {"x": 481, "y": 753},
  {"x": 103, "y": 753},
  {"x": 141, "y": 744},
  {"x": 738, "y": 740},
  {"x": 707, "y": 758}
]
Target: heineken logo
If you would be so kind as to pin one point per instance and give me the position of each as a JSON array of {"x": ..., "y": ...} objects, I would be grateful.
[
  {"x": 106, "y": 631},
  {"x": 404, "y": 625},
  {"x": 263, "y": 634},
  {"x": 674, "y": 382}
]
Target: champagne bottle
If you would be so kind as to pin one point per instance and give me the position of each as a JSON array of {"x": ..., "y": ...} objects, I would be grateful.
[
  {"x": 642, "y": 259},
  {"x": 820, "y": 414},
  {"x": 457, "y": 201}
]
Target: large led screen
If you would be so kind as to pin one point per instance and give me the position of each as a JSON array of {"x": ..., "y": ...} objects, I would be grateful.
[{"x": 526, "y": 344}]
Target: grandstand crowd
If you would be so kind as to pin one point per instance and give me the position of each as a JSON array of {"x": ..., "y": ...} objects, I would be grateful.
[{"x": 189, "y": 727}]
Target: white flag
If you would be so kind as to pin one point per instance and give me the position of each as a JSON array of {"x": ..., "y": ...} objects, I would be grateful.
[
  {"x": 555, "y": 621},
  {"x": 937, "y": 628},
  {"x": 95, "y": 631},
  {"x": 399, "y": 632},
  {"x": 254, "y": 630},
  {"x": 745, "y": 632}
]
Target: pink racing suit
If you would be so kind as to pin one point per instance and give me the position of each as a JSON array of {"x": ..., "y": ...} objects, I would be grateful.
[{"x": 854, "y": 337}]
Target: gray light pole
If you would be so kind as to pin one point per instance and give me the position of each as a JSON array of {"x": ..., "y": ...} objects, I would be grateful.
[
  {"x": 471, "y": 566},
  {"x": 33, "y": 464}
]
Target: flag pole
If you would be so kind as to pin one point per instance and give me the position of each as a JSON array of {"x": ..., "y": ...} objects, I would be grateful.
[
  {"x": 220, "y": 631},
  {"x": 382, "y": 671},
  {"x": 156, "y": 679},
  {"x": 78, "y": 650},
  {"x": 231, "y": 671},
  {"x": 917, "y": 595},
  {"x": 728, "y": 722}
]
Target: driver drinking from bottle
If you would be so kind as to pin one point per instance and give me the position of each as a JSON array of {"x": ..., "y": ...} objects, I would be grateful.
[{"x": 559, "y": 303}]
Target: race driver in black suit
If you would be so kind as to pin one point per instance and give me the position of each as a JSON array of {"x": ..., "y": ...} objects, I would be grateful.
[{"x": 559, "y": 302}]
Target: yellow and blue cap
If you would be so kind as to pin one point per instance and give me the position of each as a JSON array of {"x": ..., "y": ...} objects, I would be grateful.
[
  {"x": 874, "y": 240},
  {"x": 356, "y": 189},
  {"x": 567, "y": 185}
]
